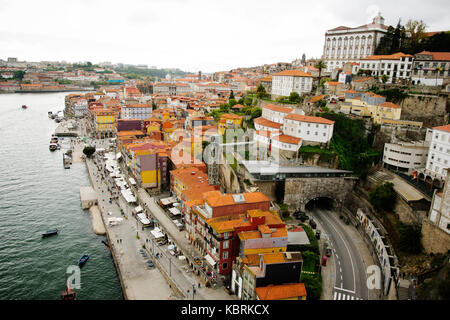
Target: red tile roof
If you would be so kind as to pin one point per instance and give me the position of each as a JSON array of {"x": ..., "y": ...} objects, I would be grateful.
[
  {"x": 287, "y": 139},
  {"x": 276, "y": 108},
  {"x": 445, "y": 128},
  {"x": 390, "y": 105},
  {"x": 441, "y": 56},
  {"x": 298, "y": 117},
  {"x": 395, "y": 56},
  {"x": 283, "y": 291},
  {"x": 293, "y": 73},
  {"x": 267, "y": 123}
]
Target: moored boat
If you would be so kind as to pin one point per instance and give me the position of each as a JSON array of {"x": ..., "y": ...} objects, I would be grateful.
[
  {"x": 24, "y": 107},
  {"x": 53, "y": 146},
  {"x": 49, "y": 233},
  {"x": 54, "y": 139},
  {"x": 68, "y": 294},
  {"x": 83, "y": 260}
]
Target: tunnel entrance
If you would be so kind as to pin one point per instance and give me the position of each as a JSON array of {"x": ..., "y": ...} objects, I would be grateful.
[{"x": 320, "y": 203}]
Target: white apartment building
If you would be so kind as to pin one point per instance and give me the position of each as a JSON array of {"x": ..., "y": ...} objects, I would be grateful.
[
  {"x": 405, "y": 157},
  {"x": 440, "y": 207},
  {"x": 275, "y": 113},
  {"x": 285, "y": 130},
  {"x": 343, "y": 44},
  {"x": 431, "y": 68},
  {"x": 396, "y": 66},
  {"x": 80, "y": 108},
  {"x": 312, "y": 130},
  {"x": 136, "y": 111},
  {"x": 287, "y": 81},
  {"x": 438, "y": 160}
]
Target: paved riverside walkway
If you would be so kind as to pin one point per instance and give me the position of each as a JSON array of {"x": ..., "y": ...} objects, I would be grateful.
[
  {"x": 180, "y": 271},
  {"x": 138, "y": 281}
]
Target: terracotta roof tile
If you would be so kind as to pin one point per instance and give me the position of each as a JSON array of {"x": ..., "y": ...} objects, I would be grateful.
[
  {"x": 283, "y": 291},
  {"x": 298, "y": 117},
  {"x": 276, "y": 108},
  {"x": 293, "y": 73}
]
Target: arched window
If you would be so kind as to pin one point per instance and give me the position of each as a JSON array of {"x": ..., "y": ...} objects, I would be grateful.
[{"x": 357, "y": 41}]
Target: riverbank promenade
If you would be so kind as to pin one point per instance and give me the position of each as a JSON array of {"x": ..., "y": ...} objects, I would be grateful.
[{"x": 139, "y": 282}]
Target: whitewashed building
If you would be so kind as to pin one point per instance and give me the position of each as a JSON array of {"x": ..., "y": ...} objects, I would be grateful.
[
  {"x": 405, "y": 157},
  {"x": 343, "y": 44},
  {"x": 312, "y": 130},
  {"x": 396, "y": 66},
  {"x": 431, "y": 68},
  {"x": 136, "y": 111},
  {"x": 440, "y": 207},
  {"x": 438, "y": 160},
  {"x": 287, "y": 81},
  {"x": 80, "y": 108}
]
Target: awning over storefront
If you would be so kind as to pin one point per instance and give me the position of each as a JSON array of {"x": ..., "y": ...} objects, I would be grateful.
[
  {"x": 157, "y": 233},
  {"x": 210, "y": 260},
  {"x": 175, "y": 211},
  {"x": 167, "y": 201},
  {"x": 128, "y": 195},
  {"x": 132, "y": 181},
  {"x": 143, "y": 218}
]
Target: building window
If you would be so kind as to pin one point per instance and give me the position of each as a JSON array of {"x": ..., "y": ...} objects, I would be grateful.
[
  {"x": 225, "y": 266},
  {"x": 225, "y": 244},
  {"x": 225, "y": 255}
]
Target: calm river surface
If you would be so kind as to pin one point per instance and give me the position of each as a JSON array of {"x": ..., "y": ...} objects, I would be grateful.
[{"x": 37, "y": 194}]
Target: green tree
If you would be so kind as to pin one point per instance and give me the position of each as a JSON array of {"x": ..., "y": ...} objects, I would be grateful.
[
  {"x": 320, "y": 65},
  {"x": 256, "y": 113},
  {"x": 261, "y": 92},
  {"x": 89, "y": 151},
  {"x": 231, "y": 103},
  {"x": 231, "y": 95},
  {"x": 18, "y": 75},
  {"x": 313, "y": 286},
  {"x": 416, "y": 30},
  {"x": 439, "y": 42},
  {"x": 410, "y": 238},
  {"x": 383, "y": 197},
  {"x": 384, "y": 78},
  {"x": 248, "y": 101},
  {"x": 294, "y": 97}
]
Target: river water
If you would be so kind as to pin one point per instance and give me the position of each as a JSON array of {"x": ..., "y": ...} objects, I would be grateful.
[{"x": 37, "y": 194}]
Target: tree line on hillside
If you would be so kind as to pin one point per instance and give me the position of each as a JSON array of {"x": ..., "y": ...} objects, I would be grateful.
[{"x": 411, "y": 39}]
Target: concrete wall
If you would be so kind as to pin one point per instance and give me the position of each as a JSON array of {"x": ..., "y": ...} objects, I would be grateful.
[
  {"x": 299, "y": 191},
  {"x": 434, "y": 240}
]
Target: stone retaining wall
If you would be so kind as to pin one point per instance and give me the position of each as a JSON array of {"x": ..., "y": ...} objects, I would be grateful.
[{"x": 434, "y": 240}]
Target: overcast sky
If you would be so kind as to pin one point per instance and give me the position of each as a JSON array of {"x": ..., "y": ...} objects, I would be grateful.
[{"x": 192, "y": 35}]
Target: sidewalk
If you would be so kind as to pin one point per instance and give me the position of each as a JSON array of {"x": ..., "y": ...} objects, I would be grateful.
[
  {"x": 138, "y": 281},
  {"x": 184, "y": 274}
]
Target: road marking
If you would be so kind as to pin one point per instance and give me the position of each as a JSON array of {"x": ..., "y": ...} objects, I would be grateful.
[
  {"x": 342, "y": 289},
  {"x": 339, "y": 296},
  {"x": 345, "y": 244}
]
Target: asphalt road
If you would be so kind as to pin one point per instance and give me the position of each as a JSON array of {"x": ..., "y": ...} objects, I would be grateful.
[{"x": 350, "y": 269}]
